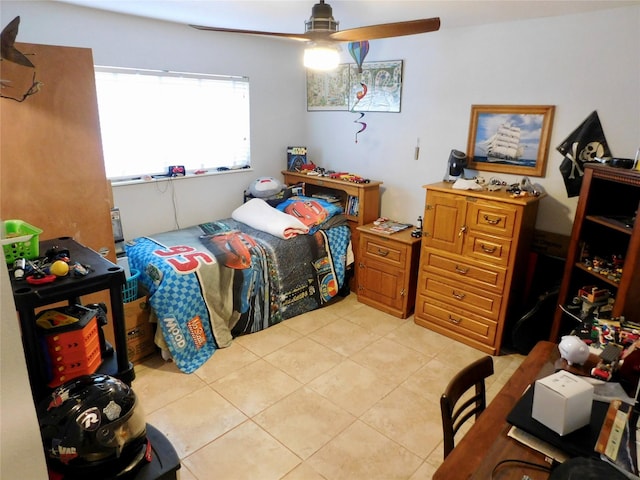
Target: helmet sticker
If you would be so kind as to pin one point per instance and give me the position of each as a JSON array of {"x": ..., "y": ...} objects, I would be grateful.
[
  {"x": 89, "y": 419},
  {"x": 58, "y": 397},
  {"x": 112, "y": 410},
  {"x": 66, "y": 454}
]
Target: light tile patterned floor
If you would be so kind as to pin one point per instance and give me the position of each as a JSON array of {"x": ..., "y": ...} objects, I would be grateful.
[{"x": 344, "y": 392}]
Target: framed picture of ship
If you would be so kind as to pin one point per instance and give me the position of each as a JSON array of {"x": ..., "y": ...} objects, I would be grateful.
[{"x": 510, "y": 138}]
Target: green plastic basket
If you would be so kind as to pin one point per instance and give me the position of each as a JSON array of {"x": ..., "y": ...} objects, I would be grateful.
[
  {"x": 130, "y": 288},
  {"x": 20, "y": 240}
]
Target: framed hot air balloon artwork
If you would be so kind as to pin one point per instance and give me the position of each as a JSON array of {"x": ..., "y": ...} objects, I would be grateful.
[{"x": 510, "y": 138}]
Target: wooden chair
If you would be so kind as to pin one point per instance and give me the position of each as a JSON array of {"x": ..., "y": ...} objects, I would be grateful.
[{"x": 454, "y": 415}]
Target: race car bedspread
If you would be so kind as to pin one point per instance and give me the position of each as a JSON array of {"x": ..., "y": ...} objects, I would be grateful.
[{"x": 212, "y": 282}]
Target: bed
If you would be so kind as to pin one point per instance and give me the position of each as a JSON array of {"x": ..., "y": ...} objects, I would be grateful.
[{"x": 211, "y": 282}]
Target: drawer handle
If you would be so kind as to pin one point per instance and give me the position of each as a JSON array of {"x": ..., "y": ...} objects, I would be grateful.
[
  {"x": 462, "y": 230},
  {"x": 455, "y": 321},
  {"x": 487, "y": 249},
  {"x": 383, "y": 253},
  {"x": 458, "y": 296},
  {"x": 460, "y": 270},
  {"x": 492, "y": 221}
]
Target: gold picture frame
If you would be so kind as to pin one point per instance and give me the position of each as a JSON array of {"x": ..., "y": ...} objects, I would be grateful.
[{"x": 510, "y": 138}]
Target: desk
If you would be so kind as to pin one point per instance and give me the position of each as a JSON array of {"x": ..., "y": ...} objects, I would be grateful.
[{"x": 476, "y": 454}]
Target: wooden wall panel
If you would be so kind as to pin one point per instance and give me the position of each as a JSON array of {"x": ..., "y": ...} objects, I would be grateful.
[{"x": 51, "y": 165}]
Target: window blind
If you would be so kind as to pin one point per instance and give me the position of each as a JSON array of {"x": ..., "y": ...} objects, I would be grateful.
[{"x": 152, "y": 119}]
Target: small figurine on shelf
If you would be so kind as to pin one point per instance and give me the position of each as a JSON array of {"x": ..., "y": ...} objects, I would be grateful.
[
  {"x": 609, "y": 362},
  {"x": 417, "y": 232}
]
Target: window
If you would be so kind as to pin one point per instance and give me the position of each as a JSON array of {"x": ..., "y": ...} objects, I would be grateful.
[{"x": 151, "y": 120}]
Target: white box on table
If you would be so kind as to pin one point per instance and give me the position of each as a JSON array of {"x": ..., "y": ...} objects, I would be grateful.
[{"x": 562, "y": 402}]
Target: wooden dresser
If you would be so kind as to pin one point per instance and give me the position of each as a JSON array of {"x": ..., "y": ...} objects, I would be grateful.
[{"x": 473, "y": 262}]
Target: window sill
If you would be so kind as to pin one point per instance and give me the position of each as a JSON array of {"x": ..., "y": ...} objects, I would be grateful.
[{"x": 158, "y": 178}]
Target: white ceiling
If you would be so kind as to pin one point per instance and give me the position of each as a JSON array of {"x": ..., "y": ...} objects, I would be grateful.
[{"x": 289, "y": 15}]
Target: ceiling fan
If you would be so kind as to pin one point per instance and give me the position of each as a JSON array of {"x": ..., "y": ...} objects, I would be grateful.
[{"x": 322, "y": 29}]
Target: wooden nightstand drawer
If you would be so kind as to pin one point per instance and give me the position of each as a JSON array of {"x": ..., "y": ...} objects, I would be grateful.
[
  {"x": 383, "y": 250},
  {"x": 462, "y": 296},
  {"x": 381, "y": 283},
  {"x": 488, "y": 248}
]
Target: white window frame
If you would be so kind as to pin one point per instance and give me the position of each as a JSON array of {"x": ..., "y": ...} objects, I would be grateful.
[{"x": 151, "y": 120}]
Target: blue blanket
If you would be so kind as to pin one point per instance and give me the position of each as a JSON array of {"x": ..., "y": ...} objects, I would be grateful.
[{"x": 211, "y": 282}]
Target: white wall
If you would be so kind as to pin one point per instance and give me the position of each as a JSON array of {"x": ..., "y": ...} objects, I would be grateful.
[
  {"x": 21, "y": 453},
  {"x": 579, "y": 63}
]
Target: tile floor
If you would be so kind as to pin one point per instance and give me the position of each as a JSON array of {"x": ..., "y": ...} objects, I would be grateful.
[{"x": 344, "y": 392}]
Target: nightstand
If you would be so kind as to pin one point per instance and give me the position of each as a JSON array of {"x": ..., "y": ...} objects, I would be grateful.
[{"x": 387, "y": 270}]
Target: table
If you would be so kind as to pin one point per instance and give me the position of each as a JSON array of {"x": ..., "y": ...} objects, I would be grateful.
[
  {"x": 486, "y": 443},
  {"x": 104, "y": 275}
]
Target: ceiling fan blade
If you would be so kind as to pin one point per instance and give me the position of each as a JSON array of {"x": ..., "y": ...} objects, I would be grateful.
[
  {"x": 387, "y": 30},
  {"x": 295, "y": 36}
]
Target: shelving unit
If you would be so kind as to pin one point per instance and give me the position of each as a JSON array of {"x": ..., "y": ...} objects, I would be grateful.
[
  {"x": 604, "y": 227},
  {"x": 104, "y": 275},
  {"x": 366, "y": 196}
]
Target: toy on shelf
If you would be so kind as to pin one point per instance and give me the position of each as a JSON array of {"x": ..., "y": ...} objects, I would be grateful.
[
  {"x": 617, "y": 343},
  {"x": 607, "y": 365},
  {"x": 609, "y": 268}
]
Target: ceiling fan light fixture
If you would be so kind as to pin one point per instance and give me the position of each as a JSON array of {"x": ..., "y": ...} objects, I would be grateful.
[
  {"x": 321, "y": 19},
  {"x": 322, "y": 56}
]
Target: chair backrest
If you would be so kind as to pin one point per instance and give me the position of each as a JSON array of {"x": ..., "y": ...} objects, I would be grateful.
[{"x": 454, "y": 415}]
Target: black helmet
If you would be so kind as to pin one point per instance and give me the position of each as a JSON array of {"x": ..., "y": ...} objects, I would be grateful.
[{"x": 93, "y": 427}]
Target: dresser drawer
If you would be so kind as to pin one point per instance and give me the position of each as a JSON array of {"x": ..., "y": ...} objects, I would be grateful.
[
  {"x": 487, "y": 247},
  {"x": 464, "y": 270},
  {"x": 383, "y": 250},
  {"x": 492, "y": 217},
  {"x": 462, "y": 296},
  {"x": 458, "y": 322}
]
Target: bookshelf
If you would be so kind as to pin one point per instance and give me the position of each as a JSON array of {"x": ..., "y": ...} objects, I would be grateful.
[
  {"x": 360, "y": 201},
  {"x": 604, "y": 228}
]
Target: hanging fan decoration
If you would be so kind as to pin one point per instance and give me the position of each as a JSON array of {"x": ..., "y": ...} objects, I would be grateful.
[
  {"x": 358, "y": 51},
  {"x": 9, "y": 53}
]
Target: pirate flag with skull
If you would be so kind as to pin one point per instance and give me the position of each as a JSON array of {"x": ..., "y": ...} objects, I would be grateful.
[{"x": 583, "y": 145}]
